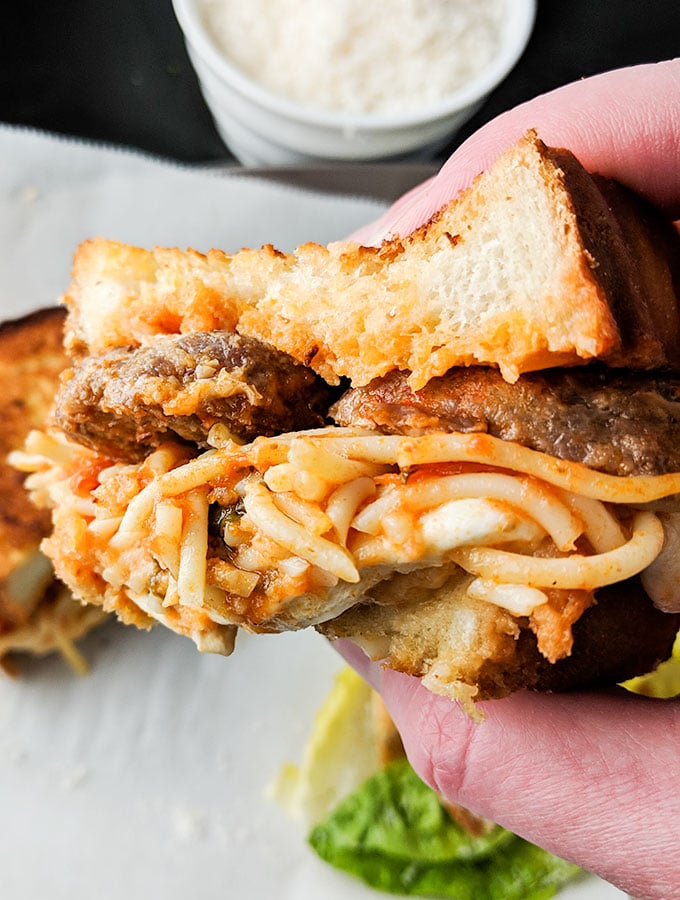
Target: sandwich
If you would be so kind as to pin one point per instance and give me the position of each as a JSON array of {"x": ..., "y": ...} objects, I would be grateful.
[
  {"x": 38, "y": 615},
  {"x": 459, "y": 449}
]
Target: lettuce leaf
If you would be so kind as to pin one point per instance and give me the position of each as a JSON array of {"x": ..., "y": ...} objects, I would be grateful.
[{"x": 394, "y": 834}]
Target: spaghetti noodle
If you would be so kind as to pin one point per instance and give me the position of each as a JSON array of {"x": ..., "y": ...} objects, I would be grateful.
[{"x": 312, "y": 519}]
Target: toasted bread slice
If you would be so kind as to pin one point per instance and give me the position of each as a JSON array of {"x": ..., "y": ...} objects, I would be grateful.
[
  {"x": 36, "y": 614},
  {"x": 536, "y": 265},
  {"x": 464, "y": 649}
]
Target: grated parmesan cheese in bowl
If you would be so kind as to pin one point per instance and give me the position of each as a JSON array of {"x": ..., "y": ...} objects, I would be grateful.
[
  {"x": 292, "y": 81},
  {"x": 358, "y": 57}
]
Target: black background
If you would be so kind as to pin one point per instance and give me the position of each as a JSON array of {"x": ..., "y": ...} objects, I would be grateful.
[{"x": 117, "y": 71}]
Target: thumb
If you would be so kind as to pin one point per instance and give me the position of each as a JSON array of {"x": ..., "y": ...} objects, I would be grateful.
[
  {"x": 592, "y": 777},
  {"x": 624, "y": 124}
]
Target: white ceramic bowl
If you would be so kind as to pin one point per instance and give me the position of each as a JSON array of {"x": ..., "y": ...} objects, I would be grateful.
[{"x": 264, "y": 129}]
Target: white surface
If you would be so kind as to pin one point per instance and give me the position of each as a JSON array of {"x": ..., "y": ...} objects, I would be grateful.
[
  {"x": 263, "y": 128},
  {"x": 147, "y": 778}
]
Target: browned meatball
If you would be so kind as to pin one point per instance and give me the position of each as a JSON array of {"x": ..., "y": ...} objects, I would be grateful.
[
  {"x": 125, "y": 402},
  {"x": 618, "y": 422}
]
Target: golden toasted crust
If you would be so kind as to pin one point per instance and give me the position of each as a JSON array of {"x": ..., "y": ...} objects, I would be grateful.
[
  {"x": 529, "y": 268},
  {"x": 635, "y": 254}
]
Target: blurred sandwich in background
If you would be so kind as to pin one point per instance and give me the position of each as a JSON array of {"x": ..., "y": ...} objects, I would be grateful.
[{"x": 38, "y": 615}]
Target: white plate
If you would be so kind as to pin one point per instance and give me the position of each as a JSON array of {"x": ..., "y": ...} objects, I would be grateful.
[{"x": 147, "y": 778}]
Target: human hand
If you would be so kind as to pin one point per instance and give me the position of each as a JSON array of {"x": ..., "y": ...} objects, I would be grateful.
[
  {"x": 624, "y": 124},
  {"x": 593, "y": 777}
]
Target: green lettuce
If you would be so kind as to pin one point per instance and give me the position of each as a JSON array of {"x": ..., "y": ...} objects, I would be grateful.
[{"x": 394, "y": 834}]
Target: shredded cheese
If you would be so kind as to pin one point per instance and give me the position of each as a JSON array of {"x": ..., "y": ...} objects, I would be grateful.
[{"x": 356, "y": 57}]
